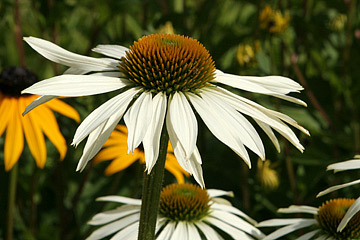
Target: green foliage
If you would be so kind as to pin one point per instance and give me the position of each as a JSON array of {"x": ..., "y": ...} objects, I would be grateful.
[{"x": 56, "y": 202}]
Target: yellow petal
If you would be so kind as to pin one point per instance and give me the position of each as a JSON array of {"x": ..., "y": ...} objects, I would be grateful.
[
  {"x": 64, "y": 109},
  {"x": 51, "y": 128},
  {"x": 14, "y": 141},
  {"x": 6, "y": 106},
  {"x": 109, "y": 153},
  {"x": 33, "y": 134},
  {"x": 120, "y": 164}
]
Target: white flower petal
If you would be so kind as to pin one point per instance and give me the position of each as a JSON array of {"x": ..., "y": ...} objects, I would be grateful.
[
  {"x": 260, "y": 113},
  {"x": 183, "y": 122},
  {"x": 167, "y": 232},
  {"x": 217, "y": 193},
  {"x": 346, "y": 165},
  {"x": 245, "y": 132},
  {"x": 299, "y": 209},
  {"x": 233, "y": 210},
  {"x": 193, "y": 233},
  {"x": 290, "y": 228},
  {"x": 120, "y": 199},
  {"x": 75, "y": 85},
  {"x": 271, "y": 85},
  {"x": 337, "y": 187},
  {"x": 237, "y": 222},
  {"x": 37, "y": 102},
  {"x": 208, "y": 231},
  {"x": 111, "y": 215},
  {"x": 269, "y": 132},
  {"x": 116, "y": 105},
  {"x": 151, "y": 140},
  {"x": 59, "y": 55},
  {"x": 127, "y": 233},
  {"x": 115, "y": 51},
  {"x": 308, "y": 235},
  {"x": 113, "y": 227},
  {"x": 354, "y": 209},
  {"x": 281, "y": 222},
  {"x": 233, "y": 232},
  {"x": 215, "y": 119},
  {"x": 76, "y": 71},
  {"x": 180, "y": 232},
  {"x": 116, "y": 74},
  {"x": 137, "y": 120},
  {"x": 195, "y": 168}
]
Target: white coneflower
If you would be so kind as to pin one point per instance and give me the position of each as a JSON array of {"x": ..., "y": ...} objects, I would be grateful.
[
  {"x": 322, "y": 226},
  {"x": 355, "y": 207},
  {"x": 186, "y": 212},
  {"x": 170, "y": 75}
]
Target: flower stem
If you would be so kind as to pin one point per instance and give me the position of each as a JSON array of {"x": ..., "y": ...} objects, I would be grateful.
[
  {"x": 11, "y": 202},
  {"x": 152, "y": 186}
]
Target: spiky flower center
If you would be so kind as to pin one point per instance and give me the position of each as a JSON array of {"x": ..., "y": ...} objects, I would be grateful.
[
  {"x": 168, "y": 63},
  {"x": 330, "y": 215},
  {"x": 15, "y": 79},
  {"x": 184, "y": 202}
]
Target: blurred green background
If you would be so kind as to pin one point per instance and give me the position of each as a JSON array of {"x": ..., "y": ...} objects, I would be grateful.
[{"x": 314, "y": 42}]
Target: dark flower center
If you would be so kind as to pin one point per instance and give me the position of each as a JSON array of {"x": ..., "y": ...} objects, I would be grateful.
[{"x": 15, "y": 79}]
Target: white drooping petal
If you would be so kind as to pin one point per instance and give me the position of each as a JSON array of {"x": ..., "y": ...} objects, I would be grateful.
[
  {"x": 217, "y": 193},
  {"x": 282, "y": 222},
  {"x": 237, "y": 222},
  {"x": 151, "y": 140},
  {"x": 302, "y": 223},
  {"x": 117, "y": 104},
  {"x": 242, "y": 128},
  {"x": 75, "y": 71},
  {"x": 57, "y": 54},
  {"x": 309, "y": 235},
  {"x": 346, "y": 165},
  {"x": 181, "y": 231},
  {"x": 112, "y": 215},
  {"x": 269, "y": 132},
  {"x": 260, "y": 113},
  {"x": 114, "y": 227},
  {"x": 183, "y": 122},
  {"x": 231, "y": 209},
  {"x": 270, "y": 85},
  {"x": 193, "y": 233},
  {"x": 354, "y": 209},
  {"x": 215, "y": 119},
  {"x": 129, "y": 233},
  {"x": 209, "y": 232},
  {"x": 75, "y": 85},
  {"x": 193, "y": 164},
  {"x": 37, "y": 102},
  {"x": 337, "y": 187},
  {"x": 299, "y": 209},
  {"x": 137, "y": 120},
  {"x": 115, "y": 51},
  {"x": 97, "y": 138},
  {"x": 120, "y": 199},
  {"x": 167, "y": 232},
  {"x": 233, "y": 232}
]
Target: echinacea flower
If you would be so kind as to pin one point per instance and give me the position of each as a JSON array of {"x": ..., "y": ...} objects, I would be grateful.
[
  {"x": 186, "y": 212},
  {"x": 172, "y": 75},
  {"x": 355, "y": 207},
  {"x": 33, "y": 126},
  {"x": 273, "y": 21},
  {"x": 323, "y": 224},
  {"x": 116, "y": 150}
]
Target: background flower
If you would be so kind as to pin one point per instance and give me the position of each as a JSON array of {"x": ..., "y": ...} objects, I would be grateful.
[
  {"x": 41, "y": 121},
  {"x": 116, "y": 150},
  {"x": 186, "y": 212}
]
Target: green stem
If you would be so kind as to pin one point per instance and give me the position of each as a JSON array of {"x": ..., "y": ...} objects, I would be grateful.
[
  {"x": 152, "y": 186},
  {"x": 11, "y": 202}
]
